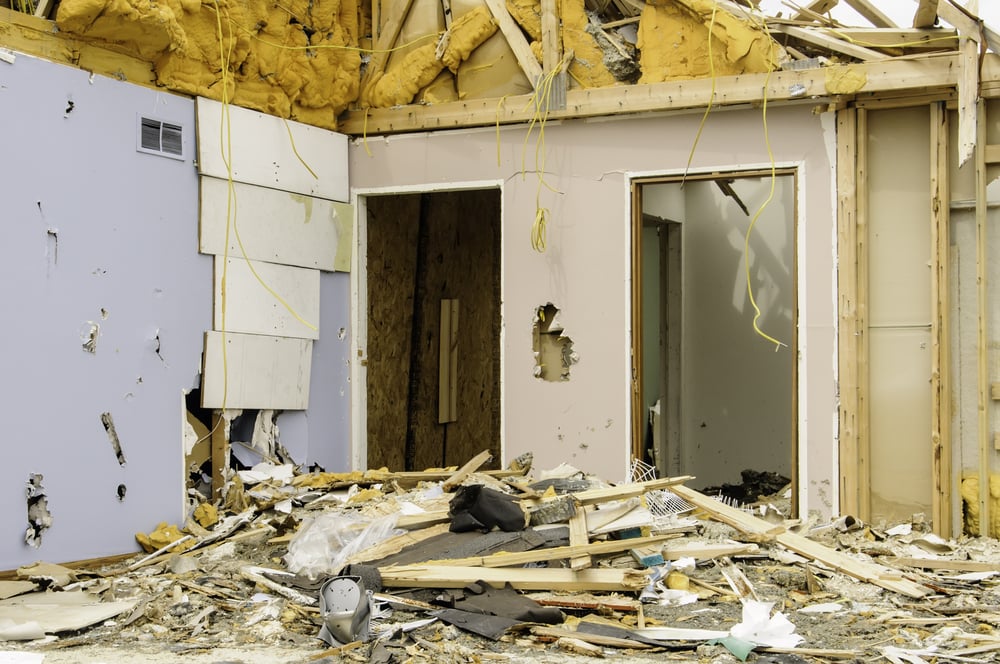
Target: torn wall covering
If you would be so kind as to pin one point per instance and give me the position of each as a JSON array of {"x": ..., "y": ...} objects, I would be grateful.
[{"x": 295, "y": 60}]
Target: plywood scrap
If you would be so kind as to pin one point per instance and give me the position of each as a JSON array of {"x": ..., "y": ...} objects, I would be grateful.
[
  {"x": 866, "y": 571},
  {"x": 450, "y": 576}
]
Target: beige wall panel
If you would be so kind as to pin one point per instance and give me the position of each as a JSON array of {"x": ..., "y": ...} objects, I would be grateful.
[
  {"x": 899, "y": 217},
  {"x": 901, "y": 422},
  {"x": 252, "y": 308},
  {"x": 271, "y": 152},
  {"x": 274, "y": 226},
  {"x": 263, "y": 372},
  {"x": 585, "y": 270}
]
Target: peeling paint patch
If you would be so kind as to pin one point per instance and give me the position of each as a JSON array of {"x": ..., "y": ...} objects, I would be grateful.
[
  {"x": 39, "y": 517},
  {"x": 553, "y": 350},
  {"x": 116, "y": 445},
  {"x": 88, "y": 335}
]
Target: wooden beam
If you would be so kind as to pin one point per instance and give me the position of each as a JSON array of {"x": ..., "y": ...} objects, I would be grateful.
[
  {"x": 933, "y": 71},
  {"x": 926, "y": 14},
  {"x": 940, "y": 325},
  {"x": 451, "y": 576},
  {"x": 944, "y": 39},
  {"x": 622, "y": 491},
  {"x": 387, "y": 37},
  {"x": 968, "y": 96},
  {"x": 814, "y": 7},
  {"x": 968, "y": 26},
  {"x": 517, "y": 41},
  {"x": 520, "y": 558},
  {"x": 579, "y": 536},
  {"x": 847, "y": 289},
  {"x": 861, "y": 324},
  {"x": 879, "y": 575},
  {"x": 220, "y": 452},
  {"x": 983, "y": 420},
  {"x": 871, "y": 13},
  {"x": 471, "y": 466},
  {"x": 992, "y": 154},
  {"x": 834, "y": 44},
  {"x": 953, "y": 565}
]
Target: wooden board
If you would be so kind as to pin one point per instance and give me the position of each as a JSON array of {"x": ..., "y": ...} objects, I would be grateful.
[
  {"x": 260, "y": 372},
  {"x": 252, "y": 299},
  {"x": 451, "y": 576},
  {"x": 871, "y": 572},
  {"x": 271, "y": 152},
  {"x": 274, "y": 226},
  {"x": 516, "y": 40}
]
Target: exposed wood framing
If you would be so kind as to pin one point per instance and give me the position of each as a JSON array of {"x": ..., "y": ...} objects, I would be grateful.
[
  {"x": 861, "y": 323},
  {"x": 982, "y": 428},
  {"x": 819, "y": 7},
  {"x": 968, "y": 95},
  {"x": 992, "y": 154},
  {"x": 940, "y": 322},
  {"x": 517, "y": 41},
  {"x": 847, "y": 288},
  {"x": 926, "y": 14},
  {"x": 825, "y": 41},
  {"x": 452, "y": 576},
  {"x": 638, "y": 414},
  {"x": 387, "y": 37},
  {"x": 871, "y": 13},
  {"x": 967, "y": 25},
  {"x": 220, "y": 452},
  {"x": 938, "y": 71},
  {"x": 938, "y": 38}
]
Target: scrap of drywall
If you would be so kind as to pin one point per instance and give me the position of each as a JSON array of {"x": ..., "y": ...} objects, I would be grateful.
[
  {"x": 265, "y": 58},
  {"x": 400, "y": 84},
  {"x": 673, "y": 41}
]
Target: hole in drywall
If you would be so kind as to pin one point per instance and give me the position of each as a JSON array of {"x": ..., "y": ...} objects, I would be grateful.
[
  {"x": 39, "y": 517},
  {"x": 116, "y": 445},
  {"x": 553, "y": 350},
  {"x": 69, "y": 107},
  {"x": 88, "y": 336},
  {"x": 122, "y": 489}
]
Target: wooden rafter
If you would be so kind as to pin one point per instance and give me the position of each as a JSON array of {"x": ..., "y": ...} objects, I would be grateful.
[
  {"x": 871, "y": 13},
  {"x": 808, "y": 11},
  {"x": 829, "y": 43},
  {"x": 386, "y": 42},
  {"x": 941, "y": 39},
  {"x": 925, "y": 73},
  {"x": 517, "y": 41}
]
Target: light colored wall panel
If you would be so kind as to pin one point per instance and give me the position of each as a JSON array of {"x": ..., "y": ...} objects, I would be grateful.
[
  {"x": 274, "y": 226},
  {"x": 263, "y": 153},
  {"x": 262, "y": 371},
  {"x": 252, "y": 308}
]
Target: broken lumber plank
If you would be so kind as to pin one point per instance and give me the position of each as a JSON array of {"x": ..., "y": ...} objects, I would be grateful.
[
  {"x": 589, "y": 603},
  {"x": 596, "y": 639},
  {"x": 953, "y": 565},
  {"x": 452, "y": 576},
  {"x": 579, "y": 536},
  {"x": 470, "y": 467},
  {"x": 879, "y": 575},
  {"x": 707, "y": 551},
  {"x": 832, "y": 43},
  {"x": 552, "y": 553},
  {"x": 623, "y": 491},
  {"x": 944, "y": 39}
]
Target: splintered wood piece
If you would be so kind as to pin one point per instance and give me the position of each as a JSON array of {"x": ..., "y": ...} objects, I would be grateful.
[
  {"x": 577, "y": 646},
  {"x": 470, "y": 467},
  {"x": 578, "y": 536},
  {"x": 879, "y": 575},
  {"x": 396, "y": 544},
  {"x": 451, "y": 576},
  {"x": 553, "y": 553},
  {"x": 596, "y": 639}
]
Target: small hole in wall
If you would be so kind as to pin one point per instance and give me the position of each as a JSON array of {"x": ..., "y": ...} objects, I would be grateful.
[
  {"x": 552, "y": 348},
  {"x": 122, "y": 489},
  {"x": 39, "y": 517}
]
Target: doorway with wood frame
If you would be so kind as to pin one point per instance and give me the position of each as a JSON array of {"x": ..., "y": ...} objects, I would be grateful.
[
  {"x": 433, "y": 327},
  {"x": 714, "y": 371}
]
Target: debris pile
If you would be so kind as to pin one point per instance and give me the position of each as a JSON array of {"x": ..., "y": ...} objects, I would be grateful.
[{"x": 470, "y": 565}]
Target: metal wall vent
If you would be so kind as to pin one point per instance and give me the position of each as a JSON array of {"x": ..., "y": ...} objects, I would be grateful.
[{"x": 162, "y": 138}]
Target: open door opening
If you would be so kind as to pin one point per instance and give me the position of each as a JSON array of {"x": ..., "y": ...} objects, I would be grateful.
[
  {"x": 433, "y": 330},
  {"x": 714, "y": 361}
]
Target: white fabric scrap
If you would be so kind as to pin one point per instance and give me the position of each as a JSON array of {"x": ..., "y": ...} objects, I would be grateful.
[{"x": 763, "y": 629}]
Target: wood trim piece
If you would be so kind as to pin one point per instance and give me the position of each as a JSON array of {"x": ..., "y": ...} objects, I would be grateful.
[
  {"x": 941, "y": 512},
  {"x": 516, "y": 40},
  {"x": 638, "y": 410},
  {"x": 847, "y": 289},
  {"x": 928, "y": 72},
  {"x": 982, "y": 428},
  {"x": 861, "y": 324},
  {"x": 866, "y": 571}
]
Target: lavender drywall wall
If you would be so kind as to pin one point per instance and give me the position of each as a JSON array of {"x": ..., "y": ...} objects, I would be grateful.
[
  {"x": 95, "y": 233},
  {"x": 585, "y": 270}
]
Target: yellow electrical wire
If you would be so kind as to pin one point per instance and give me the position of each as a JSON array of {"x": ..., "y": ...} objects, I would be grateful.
[
  {"x": 291, "y": 140},
  {"x": 711, "y": 96}
]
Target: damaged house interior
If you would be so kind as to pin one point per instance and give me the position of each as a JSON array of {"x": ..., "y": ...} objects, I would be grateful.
[{"x": 500, "y": 330}]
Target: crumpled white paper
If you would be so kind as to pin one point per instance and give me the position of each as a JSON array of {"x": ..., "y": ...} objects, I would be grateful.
[{"x": 763, "y": 629}]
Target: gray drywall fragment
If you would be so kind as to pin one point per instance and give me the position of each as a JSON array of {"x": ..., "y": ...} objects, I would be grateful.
[
  {"x": 116, "y": 444},
  {"x": 39, "y": 517}
]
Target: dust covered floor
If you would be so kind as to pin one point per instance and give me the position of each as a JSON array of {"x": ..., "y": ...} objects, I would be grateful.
[{"x": 232, "y": 597}]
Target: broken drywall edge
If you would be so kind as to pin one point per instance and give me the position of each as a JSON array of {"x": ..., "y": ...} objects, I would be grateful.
[
  {"x": 7, "y": 56},
  {"x": 89, "y": 333},
  {"x": 550, "y": 347},
  {"x": 39, "y": 517}
]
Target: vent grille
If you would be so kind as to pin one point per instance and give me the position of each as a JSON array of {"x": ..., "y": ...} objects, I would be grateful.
[{"x": 160, "y": 137}]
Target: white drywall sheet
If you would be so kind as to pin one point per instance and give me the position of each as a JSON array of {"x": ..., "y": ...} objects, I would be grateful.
[
  {"x": 271, "y": 152},
  {"x": 252, "y": 304},
  {"x": 275, "y": 226},
  {"x": 256, "y": 371}
]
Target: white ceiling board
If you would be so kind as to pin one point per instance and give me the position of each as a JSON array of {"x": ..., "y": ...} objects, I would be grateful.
[
  {"x": 265, "y": 150},
  {"x": 263, "y": 372},
  {"x": 274, "y": 226},
  {"x": 252, "y": 308}
]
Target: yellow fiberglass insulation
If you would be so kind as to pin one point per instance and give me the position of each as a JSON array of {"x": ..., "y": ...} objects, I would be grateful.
[
  {"x": 674, "y": 43},
  {"x": 400, "y": 84},
  {"x": 969, "y": 491},
  {"x": 587, "y": 67},
  {"x": 295, "y": 59},
  {"x": 528, "y": 14}
]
